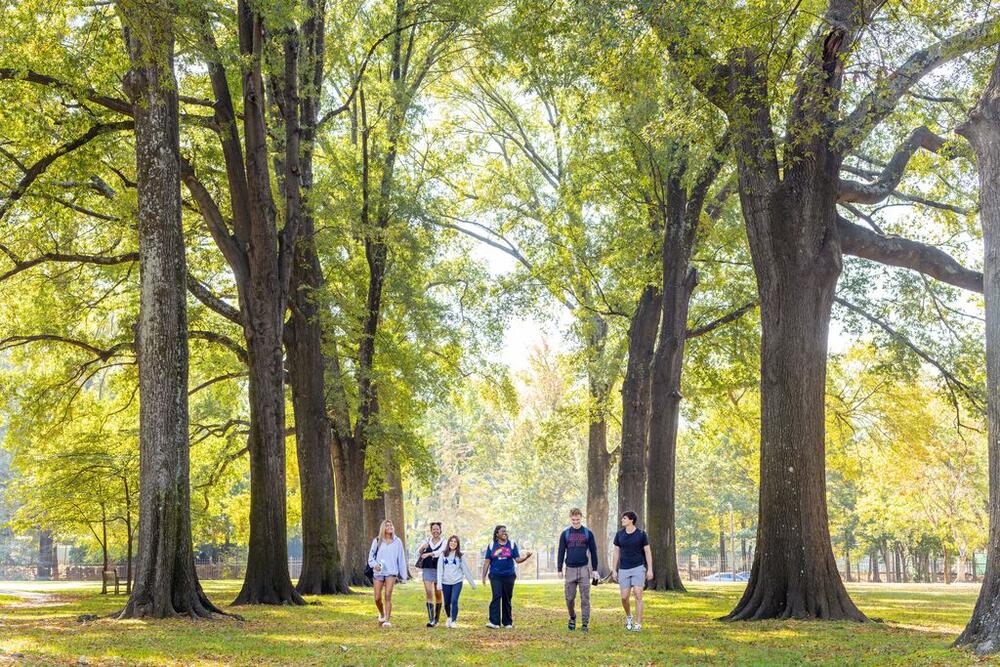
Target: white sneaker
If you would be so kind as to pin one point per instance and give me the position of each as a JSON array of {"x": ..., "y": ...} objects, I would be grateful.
[
  {"x": 381, "y": 619},
  {"x": 492, "y": 625},
  {"x": 636, "y": 628},
  {"x": 449, "y": 623},
  {"x": 386, "y": 624},
  {"x": 628, "y": 622},
  {"x": 508, "y": 627}
]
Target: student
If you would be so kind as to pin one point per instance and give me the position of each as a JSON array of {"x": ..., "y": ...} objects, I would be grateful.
[
  {"x": 387, "y": 559},
  {"x": 451, "y": 571},
  {"x": 578, "y": 548},
  {"x": 632, "y": 566},
  {"x": 427, "y": 561},
  {"x": 499, "y": 561}
]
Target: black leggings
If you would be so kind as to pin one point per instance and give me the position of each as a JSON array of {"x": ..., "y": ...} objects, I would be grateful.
[{"x": 503, "y": 591}]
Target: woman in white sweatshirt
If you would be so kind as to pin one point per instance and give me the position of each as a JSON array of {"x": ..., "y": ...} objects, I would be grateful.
[
  {"x": 451, "y": 571},
  {"x": 387, "y": 559}
]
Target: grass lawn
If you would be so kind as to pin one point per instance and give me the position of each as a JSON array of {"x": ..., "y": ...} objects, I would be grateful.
[{"x": 918, "y": 625}]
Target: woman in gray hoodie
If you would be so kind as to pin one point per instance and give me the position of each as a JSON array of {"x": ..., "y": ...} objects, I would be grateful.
[
  {"x": 387, "y": 559},
  {"x": 452, "y": 570}
]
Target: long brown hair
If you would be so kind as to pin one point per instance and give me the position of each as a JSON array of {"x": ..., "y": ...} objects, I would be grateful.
[{"x": 458, "y": 549}]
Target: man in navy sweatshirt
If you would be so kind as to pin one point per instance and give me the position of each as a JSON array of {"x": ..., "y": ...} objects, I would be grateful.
[{"x": 575, "y": 545}]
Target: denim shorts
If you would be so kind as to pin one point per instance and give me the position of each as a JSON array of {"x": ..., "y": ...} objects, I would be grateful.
[
  {"x": 634, "y": 576},
  {"x": 430, "y": 574}
]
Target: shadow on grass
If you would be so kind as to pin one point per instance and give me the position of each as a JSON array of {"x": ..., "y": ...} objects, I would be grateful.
[{"x": 678, "y": 629}]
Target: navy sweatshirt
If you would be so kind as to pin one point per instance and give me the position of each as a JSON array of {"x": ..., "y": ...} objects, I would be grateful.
[{"x": 573, "y": 548}]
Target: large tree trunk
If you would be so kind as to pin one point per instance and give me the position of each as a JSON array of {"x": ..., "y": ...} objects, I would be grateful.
[
  {"x": 791, "y": 222},
  {"x": 394, "y": 494},
  {"x": 665, "y": 389},
  {"x": 263, "y": 301},
  {"x": 794, "y": 574},
  {"x": 598, "y": 472},
  {"x": 353, "y": 530},
  {"x": 983, "y": 132},
  {"x": 374, "y": 515},
  {"x": 165, "y": 580},
  {"x": 635, "y": 405},
  {"x": 322, "y": 572}
]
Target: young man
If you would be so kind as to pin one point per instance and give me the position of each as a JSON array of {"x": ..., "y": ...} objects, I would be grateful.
[
  {"x": 632, "y": 567},
  {"x": 578, "y": 548},
  {"x": 499, "y": 562},
  {"x": 427, "y": 561}
]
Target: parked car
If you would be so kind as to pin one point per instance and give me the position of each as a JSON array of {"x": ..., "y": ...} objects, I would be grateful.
[{"x": 727, "y": 577}]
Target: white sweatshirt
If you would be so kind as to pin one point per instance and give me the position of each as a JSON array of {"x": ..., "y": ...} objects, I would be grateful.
[{"x": 391, "y": 555}]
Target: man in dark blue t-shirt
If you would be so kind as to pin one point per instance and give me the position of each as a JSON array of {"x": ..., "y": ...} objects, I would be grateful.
[
  {"x": 578, "y": 548},
  {"x": 632, "y": 567}
]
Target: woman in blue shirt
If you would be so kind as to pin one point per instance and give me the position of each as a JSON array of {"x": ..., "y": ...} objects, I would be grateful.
[{"x": 499, "y": 562}]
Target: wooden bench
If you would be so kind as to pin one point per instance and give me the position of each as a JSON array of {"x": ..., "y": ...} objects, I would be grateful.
[{"x": 111, "y": 578}]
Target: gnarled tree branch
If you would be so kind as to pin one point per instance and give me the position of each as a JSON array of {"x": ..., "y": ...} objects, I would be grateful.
[{"x": 897, "y": 251}]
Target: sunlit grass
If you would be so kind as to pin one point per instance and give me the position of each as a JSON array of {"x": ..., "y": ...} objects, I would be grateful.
[{"x": 919, "y": 626}]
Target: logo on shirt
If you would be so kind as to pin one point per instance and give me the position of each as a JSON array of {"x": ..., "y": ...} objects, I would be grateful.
[{"x": 501, "y": 552}]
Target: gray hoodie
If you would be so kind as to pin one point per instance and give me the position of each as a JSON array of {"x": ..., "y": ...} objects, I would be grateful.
[
  {"x": 391, "y": 555},
  {"x": 452, "y": 569}
]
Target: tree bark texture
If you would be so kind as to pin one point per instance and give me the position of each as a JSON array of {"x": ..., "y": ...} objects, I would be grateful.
[
  {"x": 353, "y": 531},
  {"x": 393, "y": 494},
  {"x": 982, "y": 130},
  {"x": 791, "y": 223},
  {"x": 598, "y": 473},
  {"x": 165, "y": 580},
  {"x": 635, "y": 405},
  {"x": 322, "y": 570},
  {"x": 263, "y": 298}
]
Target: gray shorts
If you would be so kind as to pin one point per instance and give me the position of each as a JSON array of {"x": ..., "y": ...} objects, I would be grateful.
[
  {"x": 634, "y": 576},
  {"x": 430, "y": 574}
]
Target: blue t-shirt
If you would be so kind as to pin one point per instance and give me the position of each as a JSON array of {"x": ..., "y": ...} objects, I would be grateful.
[
  {"x": 633, "y": 548},
  {"x": 501, "y": 558}
]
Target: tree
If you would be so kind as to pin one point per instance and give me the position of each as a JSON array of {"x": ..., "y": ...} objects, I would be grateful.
[
  {"x": 983, "y": 131},
  {"x": 166, "y": 582},
  {"x": 797, "y": 240}
]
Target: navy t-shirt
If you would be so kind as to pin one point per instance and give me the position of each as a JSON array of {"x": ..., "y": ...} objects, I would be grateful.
[
  {"x": 501, "y": 558},
  {"x": 632, "y": 548}
]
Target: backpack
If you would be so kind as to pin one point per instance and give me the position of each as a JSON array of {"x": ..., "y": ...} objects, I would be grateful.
[{"x": 369, "y": 570}]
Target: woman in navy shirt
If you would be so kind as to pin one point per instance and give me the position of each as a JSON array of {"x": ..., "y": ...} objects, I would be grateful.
[{"x": 499, "y": 562}]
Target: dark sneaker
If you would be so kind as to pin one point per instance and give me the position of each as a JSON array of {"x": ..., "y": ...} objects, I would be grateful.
[
  {"x": 584, "y": 628},
  {"x": 572, "y": 623}
]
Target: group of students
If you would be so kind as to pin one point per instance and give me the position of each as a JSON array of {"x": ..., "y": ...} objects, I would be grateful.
[{"x": 444, "y": 570}]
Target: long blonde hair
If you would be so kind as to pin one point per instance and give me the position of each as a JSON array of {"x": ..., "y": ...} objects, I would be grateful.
[{"x": 381, "y": 529}]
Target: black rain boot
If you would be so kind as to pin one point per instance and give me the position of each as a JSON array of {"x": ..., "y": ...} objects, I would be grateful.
[{"x": 430, "y": 615}]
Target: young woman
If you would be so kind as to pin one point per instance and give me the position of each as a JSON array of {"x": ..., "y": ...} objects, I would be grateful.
[
  {"x": 451, "y": 571},
  {"x": 632, "y": 567},
  {"x": 427, "y": 561},
  {"x": 499, "y": 563},
  {"x": 387, "y": 559}
]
